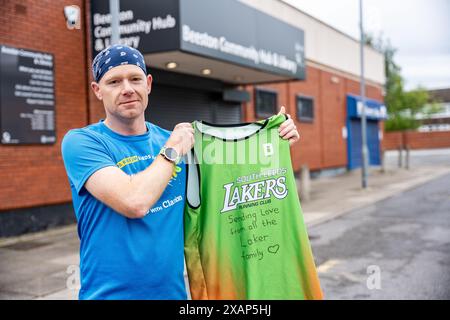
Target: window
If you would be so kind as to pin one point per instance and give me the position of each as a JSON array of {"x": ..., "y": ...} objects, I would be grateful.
[
  {"x": 266, "y": 103},
  {"x": 305, "y": 109}
]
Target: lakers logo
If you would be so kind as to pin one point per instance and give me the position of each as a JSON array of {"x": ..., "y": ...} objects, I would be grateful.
[{"x": 265, "y": 189}]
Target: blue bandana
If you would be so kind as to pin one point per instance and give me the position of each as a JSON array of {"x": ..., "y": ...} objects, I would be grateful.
[{"x": 114, "y": 56}]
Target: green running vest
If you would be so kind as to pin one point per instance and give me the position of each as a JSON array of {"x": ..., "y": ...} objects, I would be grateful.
[{"x": 245, "y": 237}]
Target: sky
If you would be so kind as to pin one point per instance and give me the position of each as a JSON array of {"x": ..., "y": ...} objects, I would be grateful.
[{"x": 418, "y": 29}]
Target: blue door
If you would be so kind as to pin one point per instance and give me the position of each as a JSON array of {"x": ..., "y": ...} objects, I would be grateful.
[{"x": 354, "y": 143}]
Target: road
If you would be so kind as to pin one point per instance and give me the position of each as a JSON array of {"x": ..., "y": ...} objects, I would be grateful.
[{"x": 398, "y": 248}]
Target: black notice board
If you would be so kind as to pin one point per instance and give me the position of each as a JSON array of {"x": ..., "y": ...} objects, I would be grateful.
[{"x": 27, "y": 96}]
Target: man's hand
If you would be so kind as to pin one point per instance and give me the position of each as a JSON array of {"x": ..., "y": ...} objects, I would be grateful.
[
  {"x": 182, "y": 138},
  {"x": 288, "y": 129}
]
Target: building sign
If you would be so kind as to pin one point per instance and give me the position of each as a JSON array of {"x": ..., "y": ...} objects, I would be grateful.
[
  {"x": 374, "y": 110},
  {"x": 27, "y": 98},
  {"x": 150, "y": 26},
  {"x": 226, "y": 30},
  {"x": 232, "y": 31}
]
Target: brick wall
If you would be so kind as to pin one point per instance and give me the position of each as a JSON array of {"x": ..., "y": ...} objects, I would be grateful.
[
  {"x": 417, "y": 140},
  {"x": 392, "y": 140},
  {"x": 307, "y": 151},
  {"x": 321, "y": 144},
  {"x": 33, "y": 175},
  {"x": 332, "y": 98}
]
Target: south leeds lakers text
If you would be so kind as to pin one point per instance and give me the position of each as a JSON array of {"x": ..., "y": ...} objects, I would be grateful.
[{"x": 244, "y": 195}]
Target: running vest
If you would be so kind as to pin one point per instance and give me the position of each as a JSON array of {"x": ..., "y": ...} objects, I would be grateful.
[{"x": 245, "y": 237}]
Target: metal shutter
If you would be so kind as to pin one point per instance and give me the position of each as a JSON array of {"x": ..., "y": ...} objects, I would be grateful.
[
  {"x": 227, "y": 113},
  {"x": 169, "y": 105},
  {"x": 355, "y": 140}
]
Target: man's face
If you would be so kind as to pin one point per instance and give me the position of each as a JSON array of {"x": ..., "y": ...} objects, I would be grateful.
[{"x": 124, "y": 91}]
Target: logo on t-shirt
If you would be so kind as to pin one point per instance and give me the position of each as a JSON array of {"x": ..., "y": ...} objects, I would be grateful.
[
  {"x": 241, "y": 194},
  {"x": 268, "y": 149}
]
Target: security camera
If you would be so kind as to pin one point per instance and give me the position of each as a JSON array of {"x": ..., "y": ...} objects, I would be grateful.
[{"x": 72, "y": 14}]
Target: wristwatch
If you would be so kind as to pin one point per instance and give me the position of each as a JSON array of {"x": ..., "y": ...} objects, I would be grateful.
[{"x": 170, "y": 154}]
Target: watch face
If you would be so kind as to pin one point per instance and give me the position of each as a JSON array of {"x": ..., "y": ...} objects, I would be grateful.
[{"x": 171, "y": 153}]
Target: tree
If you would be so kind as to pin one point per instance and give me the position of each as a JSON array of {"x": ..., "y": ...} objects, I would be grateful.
[{"x": 403, "y": 107}]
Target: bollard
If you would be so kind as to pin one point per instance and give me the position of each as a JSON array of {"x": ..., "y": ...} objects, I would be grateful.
[
  {"x": 407, "y": 158},
  {"x": 400, "y": 157},
  {"x": 305, "y": 184},
  {"x": 383, "y": 161}
]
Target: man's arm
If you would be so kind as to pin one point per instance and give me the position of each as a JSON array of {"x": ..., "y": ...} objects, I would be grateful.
[{"x": 134, "y": 195}]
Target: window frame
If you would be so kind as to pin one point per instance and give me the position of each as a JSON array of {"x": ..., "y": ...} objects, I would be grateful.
[
  {"x": 303, "y": 118},
  {"x": 258, "y": 114}
]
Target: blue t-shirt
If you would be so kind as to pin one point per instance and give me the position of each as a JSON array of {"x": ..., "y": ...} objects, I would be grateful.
[{"x": 123, "y": 258}]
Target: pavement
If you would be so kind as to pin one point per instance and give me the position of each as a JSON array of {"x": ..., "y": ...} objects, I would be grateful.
[{"x": 44, "y": 265}]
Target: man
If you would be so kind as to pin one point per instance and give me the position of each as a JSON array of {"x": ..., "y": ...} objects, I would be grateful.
[{"x": 128, "y": 188}]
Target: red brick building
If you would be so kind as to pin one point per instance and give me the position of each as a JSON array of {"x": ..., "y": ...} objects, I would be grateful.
[{"x": 34, "y": 190}]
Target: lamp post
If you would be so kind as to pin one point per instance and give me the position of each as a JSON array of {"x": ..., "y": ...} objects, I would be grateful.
[
  {"x": 364, "y": 149},
  {"x": 114, "y": 9}
]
